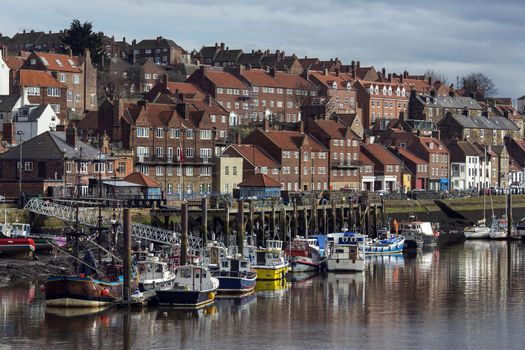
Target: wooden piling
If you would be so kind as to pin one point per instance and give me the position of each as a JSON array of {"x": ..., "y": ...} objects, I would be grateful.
[
  {"x": 325, "y": 221},
  {"x": 509, "y": 215},
  {"x": 240, "y": 226},
  {"x": 334, "y": 217},
  {"x": 295, "y": 220},
  {"x": 315, "y": 217},
  {"x": 204, "y": 207},
  {"x": 252, "y": 228},
  {"x": 184, "y": 238},
  {"x": 305, "y": 220},
  {"x": 126, "y": 296}
]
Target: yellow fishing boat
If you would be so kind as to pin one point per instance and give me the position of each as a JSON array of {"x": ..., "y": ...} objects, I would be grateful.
[{"x": 270, "y": 263}]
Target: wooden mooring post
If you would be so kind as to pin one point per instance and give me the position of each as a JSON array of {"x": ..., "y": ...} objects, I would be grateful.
[
  {"x": 240, "y": 226},
  {"x": 204, "y": 207},
  {"x": 184, "y": 236},
  {"x": 126, "y": 297}
]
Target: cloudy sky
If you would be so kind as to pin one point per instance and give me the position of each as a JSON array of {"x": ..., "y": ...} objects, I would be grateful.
[{"x": 448, "y": 36}]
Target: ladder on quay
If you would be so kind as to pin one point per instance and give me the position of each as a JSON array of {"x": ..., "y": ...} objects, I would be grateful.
[{"x": 89, "y": 217}]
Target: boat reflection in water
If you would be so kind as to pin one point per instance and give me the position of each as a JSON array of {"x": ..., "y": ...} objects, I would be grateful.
[
  {"x": 388, "y": 261},
  {"x": 301, "y": 278},
  {"x": 277, "y": 287},
  {"x": 73, "y": 312},
  {"x": 345, "y": 289},
  {"x": 173, "y": 314}
]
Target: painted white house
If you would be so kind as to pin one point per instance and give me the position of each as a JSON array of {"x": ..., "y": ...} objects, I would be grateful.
[
  {"x": 33, "y": 120},
  {"x": 469, "y": 170},
  {"x": 4, "y": 76}
]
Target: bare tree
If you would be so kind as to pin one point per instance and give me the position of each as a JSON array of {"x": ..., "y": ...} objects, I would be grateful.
[
  {"x": 479, "y": 84},
  {"x": 436, "y": 76}
]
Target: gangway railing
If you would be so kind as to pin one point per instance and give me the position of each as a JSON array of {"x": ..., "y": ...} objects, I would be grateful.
[{"x": 89, "y": 217}]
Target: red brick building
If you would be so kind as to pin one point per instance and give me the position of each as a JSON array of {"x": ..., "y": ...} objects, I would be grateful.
[
  {"x": 161, "y": 51},
  {"x": 77, "y": 73},
  {"x": 42, "y": 88},
  {"x": 303, "y": 159},
  {"x": 344, "y": 151},
  {"x": 387, "y": 168}
]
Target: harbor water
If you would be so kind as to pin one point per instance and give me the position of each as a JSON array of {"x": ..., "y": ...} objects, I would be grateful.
[{"x": 467, "y": 296}]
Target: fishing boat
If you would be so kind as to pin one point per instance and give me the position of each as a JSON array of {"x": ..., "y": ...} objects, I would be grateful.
[
  {"x": 346, "y": 251},
  {"x": 235, "y": 276},
  {"x": 385, "y": 246},
  {"x": 418, "y": 232},
  {"x": 81, "y": 291},
  {"x": 304, "y": 255},
  {"x": 269, "y": 262},
  {"x": 478, "y": 231},
  {"x": 498, "y": 228},
  {"x": 17, "y": 246},
  {"x": 193, "y": 287},
  {"x": 154, "y": 274}
]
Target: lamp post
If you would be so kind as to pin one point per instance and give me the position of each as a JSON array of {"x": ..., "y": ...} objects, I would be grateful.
[{"x": 20, "y": 133}]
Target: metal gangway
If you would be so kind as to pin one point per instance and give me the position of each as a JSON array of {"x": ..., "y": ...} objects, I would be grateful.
[{"x": 90, "y": 217}]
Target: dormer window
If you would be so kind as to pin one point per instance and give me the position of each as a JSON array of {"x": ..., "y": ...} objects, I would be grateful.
[
  {"x": 348, "y": 86},
  {"x": 334, "y": 85},
  {"x": 377, "y": 89},
  {"x": 398, "y": 91},
  {"x": 371, "y": 90},
  {"x": 33, "y": 61},
  {"x": 403, "y": 92},
  {"x": 58, "y": 62},
  {"x": 389, "y": 90},
  {"x": 384, "y": 90}
]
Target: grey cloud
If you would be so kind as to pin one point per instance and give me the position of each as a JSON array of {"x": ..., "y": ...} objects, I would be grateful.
[{"x": 454, "y": 37}]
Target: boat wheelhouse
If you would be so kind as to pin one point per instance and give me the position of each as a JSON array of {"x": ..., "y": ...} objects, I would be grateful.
[
  {"x": 193, "y": 287},
  {"x": 269, "y": 262},
  {"x": 304, "y": 255},
  {"x": 235, "y": 276},
  {"x": 346, "y": 251}
]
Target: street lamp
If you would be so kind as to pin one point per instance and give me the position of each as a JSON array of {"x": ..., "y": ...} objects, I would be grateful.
[{"x": 20, "y": 133}]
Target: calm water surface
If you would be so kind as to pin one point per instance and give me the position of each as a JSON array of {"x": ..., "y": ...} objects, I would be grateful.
[{"x": 469, "y": 296}]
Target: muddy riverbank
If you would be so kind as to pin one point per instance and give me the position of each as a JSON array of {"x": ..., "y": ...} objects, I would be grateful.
[{"x": 15, "y": 270}]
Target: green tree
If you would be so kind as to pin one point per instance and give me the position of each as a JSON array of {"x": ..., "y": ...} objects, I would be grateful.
[{"x": 80, "y": 37}]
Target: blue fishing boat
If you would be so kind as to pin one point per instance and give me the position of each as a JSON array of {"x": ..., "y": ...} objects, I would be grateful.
[
  {"x": 392, "y": 245},
  {"x": 235, "y": 276}
]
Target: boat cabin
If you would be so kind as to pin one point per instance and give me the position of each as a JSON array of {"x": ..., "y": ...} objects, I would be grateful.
[
  {"x": 153, "y": 269},
  {"x": 235, "y": 265},
  {"x": 192, "y": 278},
  {"x": 21, "y": 230}
]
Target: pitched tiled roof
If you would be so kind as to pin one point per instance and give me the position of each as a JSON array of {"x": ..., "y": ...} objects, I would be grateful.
[
  {"x": 228, "y": 56},
  {"x": 251, "y": 59},
  {"x": 141, "y": 179},
  {"x": 7, "y": 102},
  {"x": 154, "y": 43},
  {"x": 30, "y": 77},
  {"x": 183, "y": 88},
  {"x": 437, "y": 145},
  {"x": 89, "y": 122},
  {"x": 260, "y": 180},
  {"x": 459, "y": 149},
  {"x": 380, "y": 153},
  {"x": 406, "y": 154},
  {"x": 306, "y": 62},
  {"x": 449, "y": 101},
  {"x": 224, "y": 79},
  {"x": 255, "y": 155},
  {"x": 52, "y": 145},
  {"x": 260, "y": 77},
  {"x": 292, "y": 140},
  {"x": 334, "y": 129},
  {"x": 59, "y": 62},
  {"x": 330, "y": 78},
  {"x": 482, "y": 122}
]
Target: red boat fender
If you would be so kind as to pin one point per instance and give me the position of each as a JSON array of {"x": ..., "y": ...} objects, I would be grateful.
[
  {"x": 105, "y": 292},
  {"x": 42, "y": 288}
]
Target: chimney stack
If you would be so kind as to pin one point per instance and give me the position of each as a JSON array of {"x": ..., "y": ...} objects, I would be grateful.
[
  {"x": 9, "y": 134},
  {"x": 451, "y": 91},
  {"x": 71, "y": 135},
  {"x": 222, "y": 46},
  {"x": 358, "y": 65},
  {"x": 405, "y": 74},
  {"x": 301, "y": 126},
  {"x": 383, "y": 71},
  {"x": 389, "y": 77},
  {"x": 432, "y": 92},
  {"x": 325, "y": 71},
  {"x": 429, "y": 79},
  {"x": 239, "y": 137}
]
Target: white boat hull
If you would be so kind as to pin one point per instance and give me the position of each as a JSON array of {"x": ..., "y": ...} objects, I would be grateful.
[
  {"x": 498, "y": 234},
  {"x": 477, "y": 233},
  {"x": 346, "y": 265}
]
